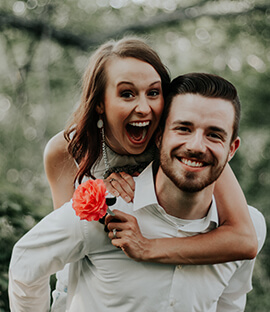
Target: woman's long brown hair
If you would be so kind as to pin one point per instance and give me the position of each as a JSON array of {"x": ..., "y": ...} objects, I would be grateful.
[{"x": 83, "y": 136}]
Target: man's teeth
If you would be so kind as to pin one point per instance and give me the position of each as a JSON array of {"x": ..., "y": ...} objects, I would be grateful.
[
  {"x": 191, "y": 163},
  {"x": 140, "y": 124}
]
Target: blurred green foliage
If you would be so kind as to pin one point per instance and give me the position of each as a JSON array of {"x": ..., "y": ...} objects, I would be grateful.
[{"x": 44, "y": 48}]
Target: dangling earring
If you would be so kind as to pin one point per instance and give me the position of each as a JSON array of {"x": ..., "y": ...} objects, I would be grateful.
[{"x": 100, "y": 125}]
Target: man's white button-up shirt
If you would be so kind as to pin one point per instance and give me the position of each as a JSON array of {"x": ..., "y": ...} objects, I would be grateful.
[{"x": 102, "y": 278}]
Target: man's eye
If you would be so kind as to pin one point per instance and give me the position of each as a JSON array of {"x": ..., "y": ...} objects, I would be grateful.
[
  {"x": 215, "y": 136},
  {"x": 183, "y": 129}
]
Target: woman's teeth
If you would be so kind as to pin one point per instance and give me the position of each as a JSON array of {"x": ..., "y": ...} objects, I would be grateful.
[{"x": 140, "y": 124}]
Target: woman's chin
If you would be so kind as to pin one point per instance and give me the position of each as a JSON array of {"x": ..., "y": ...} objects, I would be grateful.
[{"x": 135, "y": 148}]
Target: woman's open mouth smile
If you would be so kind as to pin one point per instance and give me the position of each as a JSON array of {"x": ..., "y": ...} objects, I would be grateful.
[{"x": 137, "y": 131}]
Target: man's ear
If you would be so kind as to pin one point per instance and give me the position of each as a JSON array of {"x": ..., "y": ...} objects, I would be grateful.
[
  {"x": 234, "y": 147},
  {"x": 158, "y": 138},
  {"x": 100, "y": 108}
]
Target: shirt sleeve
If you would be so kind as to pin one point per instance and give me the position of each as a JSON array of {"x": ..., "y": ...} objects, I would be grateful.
[
  {"x": 233, "y": 298},
  {"x": 54, "y": 241}
]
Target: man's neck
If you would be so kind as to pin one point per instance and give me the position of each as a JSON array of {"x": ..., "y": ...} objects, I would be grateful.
[{"x": 181, "y": 204}]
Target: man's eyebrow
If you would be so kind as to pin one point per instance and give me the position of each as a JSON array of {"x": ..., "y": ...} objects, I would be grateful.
[
  {"x": 189, "y": 123},
  {"x": 182, "y": 122}
]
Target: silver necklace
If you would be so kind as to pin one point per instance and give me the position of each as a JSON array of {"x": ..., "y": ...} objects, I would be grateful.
[{"x": 104, "y": 152}]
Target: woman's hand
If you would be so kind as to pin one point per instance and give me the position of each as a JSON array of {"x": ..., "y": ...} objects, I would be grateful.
[
  {"x": 125, "y": 233},
  {"x": 121, "y": 184}
]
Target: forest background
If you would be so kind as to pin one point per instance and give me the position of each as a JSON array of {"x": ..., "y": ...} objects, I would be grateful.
[{"x": 44, "y": 48}]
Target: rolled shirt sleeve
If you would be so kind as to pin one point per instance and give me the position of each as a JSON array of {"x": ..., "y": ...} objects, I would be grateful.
[{"x": 56, "y": 240}]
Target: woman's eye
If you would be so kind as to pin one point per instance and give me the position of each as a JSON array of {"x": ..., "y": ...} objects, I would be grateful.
[
  {"x": 127, "y": 94},
  {"x": 154, "y": 93}
]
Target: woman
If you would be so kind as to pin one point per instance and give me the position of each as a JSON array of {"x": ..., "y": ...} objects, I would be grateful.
[{"x": 111, "y": 132}]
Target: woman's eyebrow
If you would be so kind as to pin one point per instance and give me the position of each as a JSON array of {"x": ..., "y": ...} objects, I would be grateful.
[
  {"x": 125, "y": 82},
  {"x": 153, "y": 83},
  {"x": 132, "y": 84}
]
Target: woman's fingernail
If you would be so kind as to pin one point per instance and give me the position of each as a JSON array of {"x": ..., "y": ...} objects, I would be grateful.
[{"x": 127, "y": 199}]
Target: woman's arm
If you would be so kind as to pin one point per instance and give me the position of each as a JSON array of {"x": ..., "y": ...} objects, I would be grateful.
[
  {"x": 234, "y": 216},
  {"x": 60, "y": 169},
  {"x": 235, "y": 239}
]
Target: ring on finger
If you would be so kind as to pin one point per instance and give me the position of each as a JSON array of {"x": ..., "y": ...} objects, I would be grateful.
[{"x": 114, "y": 233}]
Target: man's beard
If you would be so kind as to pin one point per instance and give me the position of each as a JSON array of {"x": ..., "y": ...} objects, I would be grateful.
[{"x": 190, "y": 182}]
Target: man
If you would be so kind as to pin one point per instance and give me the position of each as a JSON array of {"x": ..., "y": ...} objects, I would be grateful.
[{"x": 172, "y": 199}]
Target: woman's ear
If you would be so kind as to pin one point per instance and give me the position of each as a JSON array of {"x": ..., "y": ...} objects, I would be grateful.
[{"x": 100, "y": 108}]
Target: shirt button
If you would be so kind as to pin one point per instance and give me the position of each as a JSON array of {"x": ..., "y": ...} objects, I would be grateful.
[
  {"x": 172, "y": 303},
  {"x": 179, "y": 267}
]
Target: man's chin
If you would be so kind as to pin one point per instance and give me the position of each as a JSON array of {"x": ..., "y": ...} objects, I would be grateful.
[
  {"x": 191, "y": 183},
  {"x": 187, "y": 188}
]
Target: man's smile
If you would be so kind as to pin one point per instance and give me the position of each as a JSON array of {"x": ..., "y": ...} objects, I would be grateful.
[{"x": 191, "y": 163}]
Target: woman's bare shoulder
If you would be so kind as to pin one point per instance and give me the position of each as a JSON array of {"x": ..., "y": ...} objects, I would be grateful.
[
  {"x": 56, "y": 152},
  {"x": 60, "y": 169},
  {"x": 56, "y": 147}
]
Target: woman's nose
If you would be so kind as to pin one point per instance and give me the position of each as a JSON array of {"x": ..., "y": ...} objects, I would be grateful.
[{"x": 143, "y": 106}]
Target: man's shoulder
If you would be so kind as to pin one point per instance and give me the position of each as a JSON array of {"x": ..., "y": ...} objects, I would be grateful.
[{"x": 259, "y": 224}]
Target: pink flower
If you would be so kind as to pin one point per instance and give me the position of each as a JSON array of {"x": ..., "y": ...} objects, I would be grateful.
[{"x": 89, "y": 200}]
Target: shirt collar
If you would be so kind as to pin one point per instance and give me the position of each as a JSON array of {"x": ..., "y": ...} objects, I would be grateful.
[{"x": 145, "y": 195}]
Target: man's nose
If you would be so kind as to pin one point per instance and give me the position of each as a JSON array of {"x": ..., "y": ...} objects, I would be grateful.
[
  {"x": 196, "y": 142},
  {"x": 143, "y": 106}
]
